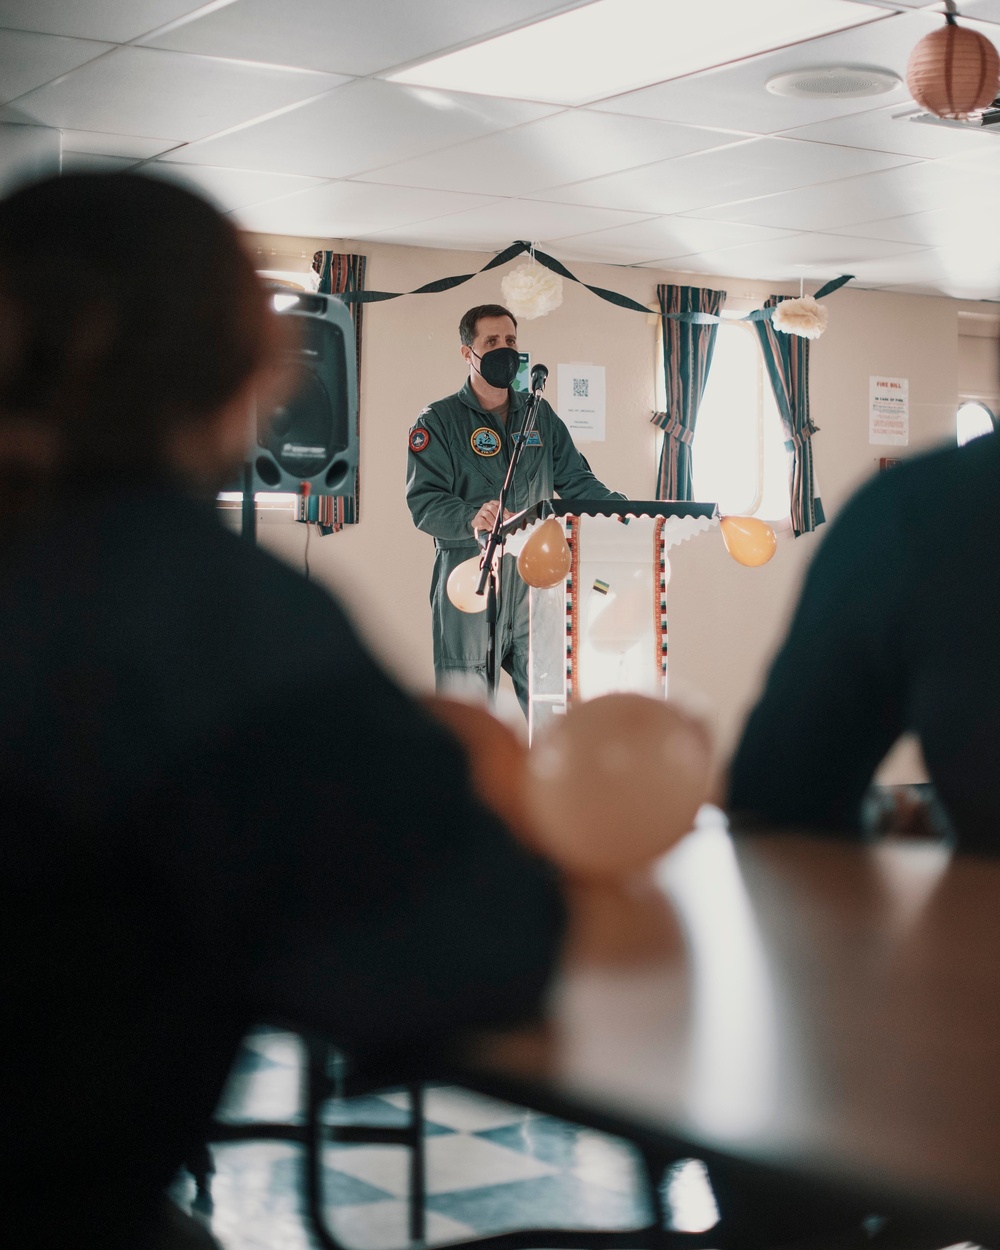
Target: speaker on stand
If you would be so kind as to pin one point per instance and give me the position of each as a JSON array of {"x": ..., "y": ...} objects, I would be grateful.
[{"x": 310, "y": 442}]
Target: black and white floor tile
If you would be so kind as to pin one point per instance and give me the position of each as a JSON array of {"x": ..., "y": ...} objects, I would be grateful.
[{"x": 490, "y": 1166}]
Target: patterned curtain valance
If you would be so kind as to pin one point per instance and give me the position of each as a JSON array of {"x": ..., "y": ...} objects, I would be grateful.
[
  {"x": 689, "y": 323},
  {"x": 787, "y": 360}
]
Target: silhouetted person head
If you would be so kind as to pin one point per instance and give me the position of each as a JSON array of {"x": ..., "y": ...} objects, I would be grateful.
[{"x": 132, "y": 330}]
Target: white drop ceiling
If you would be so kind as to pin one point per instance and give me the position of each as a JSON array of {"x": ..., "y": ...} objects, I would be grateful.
[{"x": 283, "y": 112}]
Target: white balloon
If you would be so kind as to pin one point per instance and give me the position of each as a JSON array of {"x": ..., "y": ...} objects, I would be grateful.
[{"x": 462, "y": 582}]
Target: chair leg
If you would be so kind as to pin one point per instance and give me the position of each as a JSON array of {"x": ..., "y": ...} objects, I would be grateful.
[
  {"x": 318, "y": 1084},
  {"x": 202, "y": 1168},
  {"x": 418, "y": 1165}
]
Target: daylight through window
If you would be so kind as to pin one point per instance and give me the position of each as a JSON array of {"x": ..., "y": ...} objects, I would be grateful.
[{"x": 738, "y": 456}]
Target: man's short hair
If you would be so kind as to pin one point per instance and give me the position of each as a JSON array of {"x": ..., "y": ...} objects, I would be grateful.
[{"x": 467, "y": 326}]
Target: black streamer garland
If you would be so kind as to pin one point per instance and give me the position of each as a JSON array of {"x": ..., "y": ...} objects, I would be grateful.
[{"x": 613, "y": 297}]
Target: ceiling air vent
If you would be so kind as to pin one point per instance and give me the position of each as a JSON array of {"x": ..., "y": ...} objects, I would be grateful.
[
  {"x": 988, "y": 119},
  {"x": 834, "y": 81}
]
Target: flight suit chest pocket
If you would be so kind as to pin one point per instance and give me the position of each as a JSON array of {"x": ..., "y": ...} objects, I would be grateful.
[
  {"x": 531, "y": 470},
  {"x": 484, "y": 455}
]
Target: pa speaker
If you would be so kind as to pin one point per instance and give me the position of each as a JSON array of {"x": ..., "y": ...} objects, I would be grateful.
[{"x": 313, "y": 436}]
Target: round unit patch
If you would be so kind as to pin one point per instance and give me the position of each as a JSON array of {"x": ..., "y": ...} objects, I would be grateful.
[
  {"x": 485, "y": 442},
  {"x": 420, "y": 439}
]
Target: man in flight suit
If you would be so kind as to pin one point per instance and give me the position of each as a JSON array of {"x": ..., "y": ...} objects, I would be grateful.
[{"x": 460, "y": 448}]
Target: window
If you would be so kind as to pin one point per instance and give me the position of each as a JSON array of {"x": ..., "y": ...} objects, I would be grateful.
[
  {"x": 973, "y": 421},
  {"x": 738, "y": 457}
]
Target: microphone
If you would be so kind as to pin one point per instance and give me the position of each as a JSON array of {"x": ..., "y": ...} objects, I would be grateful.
[{"x": 538, "y": 375}]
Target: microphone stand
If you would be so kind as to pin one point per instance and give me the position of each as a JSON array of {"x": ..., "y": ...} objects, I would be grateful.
[{"x": 490, "y": 577}]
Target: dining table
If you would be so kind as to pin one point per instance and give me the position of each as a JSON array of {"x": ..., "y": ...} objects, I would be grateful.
[{"x": 812, "y": 1014}]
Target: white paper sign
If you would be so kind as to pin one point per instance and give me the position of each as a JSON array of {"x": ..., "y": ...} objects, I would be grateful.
[
  {"x": 889, "y": 411},
  {"x": 580, "y": 401}
]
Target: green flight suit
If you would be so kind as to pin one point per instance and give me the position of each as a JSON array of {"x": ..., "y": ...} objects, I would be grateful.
[{"x": 447, "y": 483}]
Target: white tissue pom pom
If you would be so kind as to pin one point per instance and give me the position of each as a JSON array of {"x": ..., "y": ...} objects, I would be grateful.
[
  {"x": 802, "y": 316},
  {"x": 531, "y": 290}
]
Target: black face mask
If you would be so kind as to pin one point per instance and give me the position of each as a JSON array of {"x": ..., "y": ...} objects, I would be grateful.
[{"x": 499, "y": 367}]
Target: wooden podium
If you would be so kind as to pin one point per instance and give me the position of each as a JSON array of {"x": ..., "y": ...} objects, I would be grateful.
[{"x": 605, "y": 627}]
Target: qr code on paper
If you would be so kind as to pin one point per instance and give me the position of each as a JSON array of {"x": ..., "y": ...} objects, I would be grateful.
[{"x": 581, "y": 388}]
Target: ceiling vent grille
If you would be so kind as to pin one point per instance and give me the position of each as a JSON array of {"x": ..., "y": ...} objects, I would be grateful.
[{"x": 837, "y": 81}]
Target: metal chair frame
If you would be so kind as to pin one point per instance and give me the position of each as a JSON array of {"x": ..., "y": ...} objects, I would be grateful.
[{"x": 321, "y": 1080}]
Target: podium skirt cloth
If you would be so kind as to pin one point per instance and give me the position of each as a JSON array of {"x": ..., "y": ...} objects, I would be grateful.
[{"x": 460, "y": 637}]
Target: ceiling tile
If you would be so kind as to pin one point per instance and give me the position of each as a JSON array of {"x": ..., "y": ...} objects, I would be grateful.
[
  {"x": 751, "y": 168},
  {"x": 360, "y": 127},
  {"x": 28, "y": 61},
  {"x": 892, "y": 130},
  {"x": 982, "y": 10},
  {"x": 139, "y": 147},
  {"x": 984, "y": 158},
  {"x": 350, "y": 37},
  {"x": 142, "y": 91},
  {"x": 610, "y": 47},
  {"x": 232, "y": 188},
  {"x": 736, "y": 95},
  {"x": 495, "y": 225},
  {"x": 974, "y": 222},
  {"x": 873, "y": 197},
  {"x": 941, "y": 271},
  {"x": 114, "y": 20},
  {"x": 350, "y": 210},
  {"x": 565, "y": 148},
  {"x": 661, "y": 238},
  {"x": 27, "y": 153},
  {"x": 95, "y": 163},
  {"x": 816, "y": 257}
]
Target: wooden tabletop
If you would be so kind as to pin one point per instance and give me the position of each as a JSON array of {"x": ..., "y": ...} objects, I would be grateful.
[{"x": 797, "y": 1002}]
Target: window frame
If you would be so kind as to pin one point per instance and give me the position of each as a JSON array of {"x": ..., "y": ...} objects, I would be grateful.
[
  {"x": 988, "y": 404},
  {"x": 735, "y": 320}
]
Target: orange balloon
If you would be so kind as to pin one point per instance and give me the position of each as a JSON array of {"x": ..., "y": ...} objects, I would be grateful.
[
  {"x": 545, "y": 558},
  {"x": 462, "y": 582},
  {"x": 496, "y": 759},
  {"x": 616, "y": 782},
  {"x": 748, "y": 541}
]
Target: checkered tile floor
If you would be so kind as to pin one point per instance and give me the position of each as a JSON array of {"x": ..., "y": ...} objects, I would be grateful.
[{"x": 490, "y": 1167}]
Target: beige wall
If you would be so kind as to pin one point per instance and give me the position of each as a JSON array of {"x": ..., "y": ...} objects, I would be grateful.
[{"x": 725, "y": 620}]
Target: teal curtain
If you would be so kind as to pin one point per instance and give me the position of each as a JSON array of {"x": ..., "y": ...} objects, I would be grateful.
[
  {"x": 687, "y": 358},
  {"x": 339, "y": 272},
  {"x": 787, "y": 360}
]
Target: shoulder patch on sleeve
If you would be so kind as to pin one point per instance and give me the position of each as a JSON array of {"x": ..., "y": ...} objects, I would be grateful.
[{"x": 419, "y": 439}]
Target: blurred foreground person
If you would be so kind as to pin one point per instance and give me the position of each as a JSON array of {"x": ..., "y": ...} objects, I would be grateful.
[
  {"x": 895, "y": 632},
  {"x": 219, "y": 809}
]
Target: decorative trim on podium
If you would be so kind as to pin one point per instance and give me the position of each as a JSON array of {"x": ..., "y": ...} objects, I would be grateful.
[
  {"x": 572, "y": 610},
  {"x": 660, "y": 596}
]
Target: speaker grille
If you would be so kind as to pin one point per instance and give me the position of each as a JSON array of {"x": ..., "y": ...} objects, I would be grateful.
[{"x": 845, "y": 81}]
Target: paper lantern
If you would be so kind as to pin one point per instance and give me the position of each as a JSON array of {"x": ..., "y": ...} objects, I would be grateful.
[
  {"x": 531, "y": 291},
  {"x": 953, "y": 71}
]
